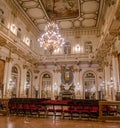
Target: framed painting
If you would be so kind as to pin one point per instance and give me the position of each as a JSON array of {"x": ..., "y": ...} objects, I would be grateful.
[{"x": 67, "y": 76}]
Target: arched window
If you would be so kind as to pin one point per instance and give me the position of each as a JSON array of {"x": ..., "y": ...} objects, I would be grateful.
[
  {"x": 89, "y": 85},
  {"x": 46, "y": 91},
  {"x": 14, "y": 82},
  {"x": 67, "y": 48}
]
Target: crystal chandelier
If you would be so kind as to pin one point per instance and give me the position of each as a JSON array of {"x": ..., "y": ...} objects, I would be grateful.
[{"x": 51, "y": 39}]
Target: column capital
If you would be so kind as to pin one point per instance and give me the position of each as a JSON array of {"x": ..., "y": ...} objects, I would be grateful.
[
  {"x": 106, "y": 63},
  {"x": 114, "y": 53},
  {"x": 9, "y": 59},
  {"x": 25, "y": 66}
]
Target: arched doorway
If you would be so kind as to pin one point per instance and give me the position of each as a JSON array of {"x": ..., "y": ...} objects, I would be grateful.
[
  {"x": 46, "y": 89},
  {"x": 90, "y": 89}
]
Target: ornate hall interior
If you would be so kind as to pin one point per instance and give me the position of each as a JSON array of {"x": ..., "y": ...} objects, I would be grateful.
[{"x": 60, "y": 50}]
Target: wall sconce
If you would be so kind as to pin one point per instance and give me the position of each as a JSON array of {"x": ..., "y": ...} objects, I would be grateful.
[
  {"x": 11, "y": 84},
  {"x": 27, "y": 85},
  {"x": 110, "y": 82},
  {"x": 55, "y": 87},
  {"x": 102, "y": 84},
  {"x": 78, "y": 87},
  {"x": 93, "y": 89}
]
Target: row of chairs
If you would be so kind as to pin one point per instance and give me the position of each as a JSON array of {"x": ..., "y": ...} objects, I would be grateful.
[
  {"x": 63, "y": 108},
  {"x": 46, "y": 108}
]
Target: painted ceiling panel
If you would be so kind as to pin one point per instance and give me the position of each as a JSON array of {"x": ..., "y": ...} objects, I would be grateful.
[
  {"x": 62, "y": 8},
  {"x": 68, "y": 13}
]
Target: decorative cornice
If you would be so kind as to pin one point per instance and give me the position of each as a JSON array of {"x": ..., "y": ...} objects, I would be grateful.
[{"x": 80, "y": 32}]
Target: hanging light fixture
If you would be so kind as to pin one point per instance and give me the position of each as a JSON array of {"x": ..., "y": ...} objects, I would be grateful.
[{"x": 51, "y": 39}]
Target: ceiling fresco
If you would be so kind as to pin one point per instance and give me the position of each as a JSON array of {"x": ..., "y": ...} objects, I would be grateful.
[
  {"x": 69, "y": 14},
  {"x": 62, "y": 8}
]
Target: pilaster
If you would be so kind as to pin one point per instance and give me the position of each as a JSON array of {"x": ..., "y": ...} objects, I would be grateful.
[{"x": 7, "y": 76}]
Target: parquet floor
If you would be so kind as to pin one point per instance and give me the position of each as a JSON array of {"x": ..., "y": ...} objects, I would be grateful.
[{"x": 22, "y": 122}]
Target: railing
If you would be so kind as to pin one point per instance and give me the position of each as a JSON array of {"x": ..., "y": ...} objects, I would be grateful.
[
  {"x": 109, "y": 110},
  {"x": 4, "y": 106}
]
